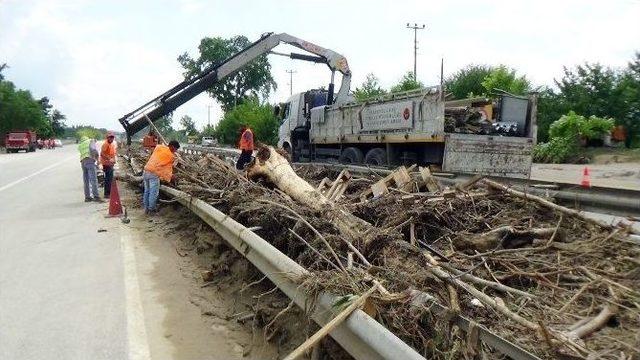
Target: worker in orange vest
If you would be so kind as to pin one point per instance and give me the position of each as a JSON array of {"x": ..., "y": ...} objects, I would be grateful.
[
  {"x": 150, "y": 140},
  {"x": 159, "y": 167},
  {"x": 108, "y": 161},
  {"x": 246, "y": 147}
]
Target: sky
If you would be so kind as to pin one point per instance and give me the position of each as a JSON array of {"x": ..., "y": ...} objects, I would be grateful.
[{"x": 98, "y": 60}]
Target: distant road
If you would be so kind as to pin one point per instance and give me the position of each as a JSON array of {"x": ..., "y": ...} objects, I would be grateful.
[{"x": 617, "y": 175}]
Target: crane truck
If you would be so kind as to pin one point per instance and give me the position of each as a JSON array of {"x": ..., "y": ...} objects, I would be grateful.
[
  {"x": 322, "y": 125},
  {"x": 409, "y": 128},
  {"x": 171, "y": 99}
]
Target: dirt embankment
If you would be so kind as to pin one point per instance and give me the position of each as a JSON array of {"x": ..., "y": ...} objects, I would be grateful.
[{"x": 245, "y": 316}]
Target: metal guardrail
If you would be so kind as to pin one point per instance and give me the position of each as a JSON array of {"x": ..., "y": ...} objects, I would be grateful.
[
  {"x": 360, "y": 335},
  {"x": 616, "y": 201}
]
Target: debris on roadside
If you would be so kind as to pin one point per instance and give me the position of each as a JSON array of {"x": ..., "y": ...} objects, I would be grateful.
[{"x": 537, "y": 274}]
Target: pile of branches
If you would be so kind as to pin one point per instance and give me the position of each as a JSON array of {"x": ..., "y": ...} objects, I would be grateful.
[
  {"x": 470, "y": 120},
  {"x": 553, "y": 283}
]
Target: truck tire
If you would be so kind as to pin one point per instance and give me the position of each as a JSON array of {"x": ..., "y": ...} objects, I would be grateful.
[
  {"x": 351, "y": 155},
  {"x": 376, "y": 157}
]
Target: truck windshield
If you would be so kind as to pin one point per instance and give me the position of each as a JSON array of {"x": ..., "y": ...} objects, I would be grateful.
[{"x": 287, "y": 109}]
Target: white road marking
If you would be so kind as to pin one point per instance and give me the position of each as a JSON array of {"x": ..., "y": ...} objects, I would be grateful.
[
  {"x": 11, "y": 184},
  {"x": 138, "y": 348}
]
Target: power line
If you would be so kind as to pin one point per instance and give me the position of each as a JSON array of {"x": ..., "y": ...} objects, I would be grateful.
[{"x": 415, "y": 28}]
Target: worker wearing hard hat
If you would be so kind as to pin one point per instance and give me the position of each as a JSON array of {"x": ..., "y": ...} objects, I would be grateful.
[
  {"x": 246, "y": 147},
  {"x": 88, "y": 156},
  {"x": 108, "y": 161},
  {"x": 158, "y": 167}
]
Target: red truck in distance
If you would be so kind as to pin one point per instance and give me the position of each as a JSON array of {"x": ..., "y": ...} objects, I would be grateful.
[{"x": 20, "y": 140}]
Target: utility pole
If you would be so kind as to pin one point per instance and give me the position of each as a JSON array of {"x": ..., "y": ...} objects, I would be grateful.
[
  {"x": 291, "y": 72},
  {"x": 209, "y": 114},
  {"x": 415, "y": 28}
]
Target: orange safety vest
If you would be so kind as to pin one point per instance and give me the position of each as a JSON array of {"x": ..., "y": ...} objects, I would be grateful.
[
  {"x": 161, "y": 162},
  {"x": 246, "y": 140},
  {"x": 108, "y": 153}
]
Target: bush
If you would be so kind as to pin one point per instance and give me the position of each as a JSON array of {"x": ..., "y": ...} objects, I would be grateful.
[
  {"x": 259, "y": 117},
  {"x": 577, "y": 126},
  {"x": 557, "y": 150},
  {"x": 566, "y": 134}
]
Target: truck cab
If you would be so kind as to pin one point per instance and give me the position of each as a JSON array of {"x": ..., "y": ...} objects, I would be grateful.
[
  {"x": 295, "y": 117},
  {"x": 17, "y": 140}
]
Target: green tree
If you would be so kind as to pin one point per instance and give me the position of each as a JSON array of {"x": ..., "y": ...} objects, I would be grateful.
[
  {"x": 551, "y": 106},
  {"x": 259, "y": 117},
  {"x": 592, "y": 89},
  {"x": 188, "y": 125},
  {"x": 90, "y": 132},
  {"x": 369, "y": 88},
  {"x": 467, "y": 82},
  {"x": 165, "y": 124},
  {"x": 252, "y": 80},
  {"x": 596, "y": 90},
  {"x": 57, "y": 123},
  {"x": 2, "y": 67},
  {"x": 19, "y": 110},
  {"x": 209, "y": 130},
  {"x": 406, "y": 83},
  {"x": 505, "y": 79},
  {"x": 629, "y": 90}
]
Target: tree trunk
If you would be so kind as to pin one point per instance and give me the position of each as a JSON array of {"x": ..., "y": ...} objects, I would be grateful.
[{"x": 276, "y": 168}]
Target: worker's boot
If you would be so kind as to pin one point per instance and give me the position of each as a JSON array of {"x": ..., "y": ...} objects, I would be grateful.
[{"x": 98, "y": 199}]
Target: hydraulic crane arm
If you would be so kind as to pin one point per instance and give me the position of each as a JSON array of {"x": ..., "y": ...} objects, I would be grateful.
[{"x": 188, "y": 89}]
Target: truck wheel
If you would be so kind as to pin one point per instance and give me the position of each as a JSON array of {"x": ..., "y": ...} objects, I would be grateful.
[
  {"x": 376, "y": 157},
  {"x": 351, "y": 155}
]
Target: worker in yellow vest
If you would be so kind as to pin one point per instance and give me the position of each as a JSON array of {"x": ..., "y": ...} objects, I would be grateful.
[{"x": 88, "y": 156}]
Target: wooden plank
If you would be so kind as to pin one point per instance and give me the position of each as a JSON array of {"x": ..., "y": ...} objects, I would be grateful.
[
  {"x": 401, "y": 178},
  {"x": 379, "y": 189},
  {"x": 328, "y": 327},
  {"x": 429, "y": 181}
]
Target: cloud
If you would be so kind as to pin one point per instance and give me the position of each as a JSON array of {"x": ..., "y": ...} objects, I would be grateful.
[{"x": 97, "y": 60}]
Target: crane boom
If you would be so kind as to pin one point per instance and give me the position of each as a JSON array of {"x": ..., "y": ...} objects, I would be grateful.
[{"x": 171, "y": 99}]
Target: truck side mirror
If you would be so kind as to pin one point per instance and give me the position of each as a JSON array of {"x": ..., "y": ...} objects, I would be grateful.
[{"x": 276, "y": 111}]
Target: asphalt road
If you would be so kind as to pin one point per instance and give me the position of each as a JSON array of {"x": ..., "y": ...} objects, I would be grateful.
[{"x": 62, "y": 283}]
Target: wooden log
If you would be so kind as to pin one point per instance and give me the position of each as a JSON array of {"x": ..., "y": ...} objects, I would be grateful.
[
  {"x": 594, "y": 324},
  {"x": 276, "y": 168}
]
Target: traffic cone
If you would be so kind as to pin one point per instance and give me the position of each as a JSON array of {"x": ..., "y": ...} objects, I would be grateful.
[
  {"x": 115, "y": 207},
  {"x": 586, "y": 179}
]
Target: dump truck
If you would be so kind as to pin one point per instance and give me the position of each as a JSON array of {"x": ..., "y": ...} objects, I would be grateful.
[
  {"x": 17, "y": 140},
  {"x": 413, "y": 127}
]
